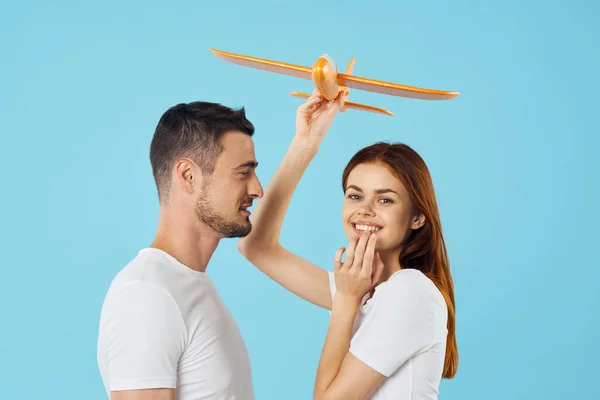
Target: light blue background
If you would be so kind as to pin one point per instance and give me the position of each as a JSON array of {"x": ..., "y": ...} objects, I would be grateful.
[{"x": 83, "y": 86}]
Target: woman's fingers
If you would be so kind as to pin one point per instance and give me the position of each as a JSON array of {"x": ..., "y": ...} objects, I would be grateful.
[
  {"x": 360, "y": 251},
  {"x": 337, "y": 265},
  {"x": 369, "y": 256},
  {"x": 377, "y": 268},
  {"x": 350, "y": 254}
]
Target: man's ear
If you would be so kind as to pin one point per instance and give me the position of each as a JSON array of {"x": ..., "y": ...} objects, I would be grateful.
[
  {"x": 187, "y": 175},
  {"x": 418, "y": 221}
]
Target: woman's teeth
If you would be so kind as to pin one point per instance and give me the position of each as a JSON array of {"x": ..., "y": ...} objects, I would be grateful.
[{"x": 367, "y": 228}]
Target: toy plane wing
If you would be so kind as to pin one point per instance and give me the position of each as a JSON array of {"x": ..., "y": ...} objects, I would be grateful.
[
  {"x": 393, "y": 89},
  {"x": 268, "y": 65},
  {"x": 347, "y": 80}
]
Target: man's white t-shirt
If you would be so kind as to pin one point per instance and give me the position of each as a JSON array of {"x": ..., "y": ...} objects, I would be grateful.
[
  {"x": 164, "y": 325},
  {"x": 401, "y": 333}
]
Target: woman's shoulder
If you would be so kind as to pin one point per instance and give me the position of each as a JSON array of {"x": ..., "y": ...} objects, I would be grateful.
[
  {"x": 410, "y": 278},
  {"x": 410, "y": 284}
]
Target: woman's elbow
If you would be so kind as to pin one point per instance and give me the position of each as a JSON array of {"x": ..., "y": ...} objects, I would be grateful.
[
  {"x": 250, "y": 248},
  {"x": 321, "y": 395},
  {"x": 245, "y": 248}
]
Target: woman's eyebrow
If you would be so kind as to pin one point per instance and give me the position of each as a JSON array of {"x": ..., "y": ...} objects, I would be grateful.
[{"x": 378, "y": 191}]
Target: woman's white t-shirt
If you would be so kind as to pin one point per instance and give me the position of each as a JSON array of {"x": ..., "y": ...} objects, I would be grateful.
[{"x": 401, "y": 333}]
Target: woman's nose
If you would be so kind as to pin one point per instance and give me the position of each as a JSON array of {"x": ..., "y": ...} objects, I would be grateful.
[{"x": 366, "y": 210}]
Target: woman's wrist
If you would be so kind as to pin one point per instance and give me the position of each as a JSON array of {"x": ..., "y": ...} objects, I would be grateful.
[
  {"x": 307, "y": 142},
  {"x": 346, "y": 301}
]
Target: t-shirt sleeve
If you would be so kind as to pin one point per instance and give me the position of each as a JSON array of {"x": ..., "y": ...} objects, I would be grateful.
[
  {"x": 399, "y": 325},
  {"x": 144, "y": 337},
  {"x": 331, "y": 283}
]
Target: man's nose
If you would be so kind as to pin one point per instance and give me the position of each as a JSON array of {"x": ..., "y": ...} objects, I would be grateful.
[{"x": 256, "y": 189}]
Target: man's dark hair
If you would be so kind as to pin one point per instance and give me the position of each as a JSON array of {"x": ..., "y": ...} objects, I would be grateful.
[{"x": 192, "y": 130}]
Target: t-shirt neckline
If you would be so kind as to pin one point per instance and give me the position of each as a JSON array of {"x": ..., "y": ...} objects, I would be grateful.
[{"x": 175, "y": 263}]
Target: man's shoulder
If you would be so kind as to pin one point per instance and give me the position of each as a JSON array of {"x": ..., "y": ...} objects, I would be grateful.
[
  {"x": 133, "y": 270},
  {"x": 141, "y": 271},
  {"x": 156, "y": 273}
]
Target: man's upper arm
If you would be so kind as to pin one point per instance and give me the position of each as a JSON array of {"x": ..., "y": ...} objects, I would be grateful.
[{"x": 142, "y": 336}]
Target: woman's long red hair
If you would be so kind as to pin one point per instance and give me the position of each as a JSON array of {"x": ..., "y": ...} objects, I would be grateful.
[{"x": 424, "y": 249}]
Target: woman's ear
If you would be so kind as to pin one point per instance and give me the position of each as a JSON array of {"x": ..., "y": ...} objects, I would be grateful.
[{"x": 418, "y": 221}]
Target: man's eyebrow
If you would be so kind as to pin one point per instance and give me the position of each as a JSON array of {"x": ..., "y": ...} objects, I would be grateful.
[
  {"x": 378, "y": 191},
  {"x": 251, "y": 164}
]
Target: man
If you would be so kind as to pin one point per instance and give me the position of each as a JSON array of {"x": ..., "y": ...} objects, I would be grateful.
[{"x": 164, "y": 331}]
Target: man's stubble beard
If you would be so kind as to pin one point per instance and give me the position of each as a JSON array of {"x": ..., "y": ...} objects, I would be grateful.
[{"x": 209, "y": 216}]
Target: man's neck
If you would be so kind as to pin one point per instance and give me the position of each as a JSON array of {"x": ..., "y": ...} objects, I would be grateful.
[{"x": 182, "y": 238}]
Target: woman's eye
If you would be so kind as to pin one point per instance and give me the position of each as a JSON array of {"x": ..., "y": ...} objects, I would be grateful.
[
  {"x": 386, "y": 200},
  {"x": 353, "y": 196}
]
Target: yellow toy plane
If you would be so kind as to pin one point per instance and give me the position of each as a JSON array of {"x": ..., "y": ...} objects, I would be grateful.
[{"x": 329, "y": 83}]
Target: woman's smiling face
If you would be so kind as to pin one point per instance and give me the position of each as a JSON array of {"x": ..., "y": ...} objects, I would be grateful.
[{"x": 376, "y": 200}]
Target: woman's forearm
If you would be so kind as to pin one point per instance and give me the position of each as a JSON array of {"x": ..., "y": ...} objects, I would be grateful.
[
  {"x": 269, "y": 214},
  {"x": 337, "y": 342}
]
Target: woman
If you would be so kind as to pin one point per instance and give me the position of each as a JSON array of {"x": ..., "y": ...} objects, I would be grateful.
[{"x": 392, "y": 327}]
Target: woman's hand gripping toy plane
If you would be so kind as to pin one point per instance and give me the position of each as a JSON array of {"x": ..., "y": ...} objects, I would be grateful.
[{"x": 329, "y": 83}]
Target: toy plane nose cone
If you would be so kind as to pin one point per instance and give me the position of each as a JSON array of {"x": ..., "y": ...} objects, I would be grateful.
[{"x": 330, "y": 61}]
